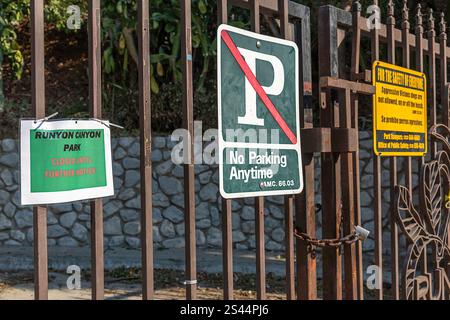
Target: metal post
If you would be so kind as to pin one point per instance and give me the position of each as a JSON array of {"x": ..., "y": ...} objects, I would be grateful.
[
  {"x": 444, "y": 71},
  {"x": 283, "y": 9},
  {"x": 227, "y": 213},
  {"x": 305, "y": 202},
  {"x": 330, "y": 162},
  {"x": 38, "y": 105},
  {"x": 407, "y": 64},
  {"x": 95, "y": 103},
  {"x": 432, "y": 76},
  {"x": 189, "y": 173},
  {"x": 259, "y": 201},
  {"x": 356, "y": 48},
  {"x": 393, "y": 165},
  {"x": 146, "y": 149},
  {"x": 378, "y": 224}
]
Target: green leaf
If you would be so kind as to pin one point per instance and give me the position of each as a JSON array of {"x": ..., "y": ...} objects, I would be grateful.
[
  {"x": 119, "y": 7},
  {"x": 154, "y": 85},
  {"x": 202, "y": 7},
  {"x": 159, "y": 69}
]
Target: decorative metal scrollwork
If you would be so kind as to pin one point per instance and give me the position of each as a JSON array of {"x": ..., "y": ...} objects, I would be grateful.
[{"x": 427, "y": 269}]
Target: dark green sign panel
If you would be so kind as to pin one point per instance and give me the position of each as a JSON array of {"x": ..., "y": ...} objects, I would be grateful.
[{"x": 258, "y": 105}]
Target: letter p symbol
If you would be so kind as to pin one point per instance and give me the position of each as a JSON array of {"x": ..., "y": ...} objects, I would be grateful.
[{"x": 275, "y": 89}]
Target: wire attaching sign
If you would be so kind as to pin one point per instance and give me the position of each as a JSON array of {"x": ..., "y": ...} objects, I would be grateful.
[
  {"x": 63, "y": 161},
  {"x": 258, "y": 113}
]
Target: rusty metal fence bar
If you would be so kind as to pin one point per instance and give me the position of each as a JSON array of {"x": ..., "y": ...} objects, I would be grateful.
[
  {"x": 328, "y": 45},
  {"x": 227, "y": 213},
  {"x": 355, "y": 75},
  {"x": 390, "y": 23},
  {"x": 259, "y": 201},
  {"x": 189, "y": 173},
  {"x": 378, "y": 215},
  {"x": 283, "y": 9},
  {"x": 38, "y": 106},
  {"x": 145, "y": 149},
  {"x": 95, "y": 105}
]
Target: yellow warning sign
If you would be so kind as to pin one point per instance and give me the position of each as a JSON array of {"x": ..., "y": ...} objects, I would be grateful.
[{"x": 399, "y": 111}]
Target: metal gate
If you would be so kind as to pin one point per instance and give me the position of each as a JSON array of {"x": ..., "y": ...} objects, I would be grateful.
[
  {"x": 418, "y": 260},
  {"x": 335, "y": 141}
]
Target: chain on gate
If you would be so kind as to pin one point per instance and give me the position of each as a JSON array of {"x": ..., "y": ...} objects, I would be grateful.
[{"x": 358, "y": 234}]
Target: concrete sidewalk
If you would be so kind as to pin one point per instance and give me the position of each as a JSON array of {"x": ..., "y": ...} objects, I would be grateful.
[{"x": 208, "y": 260}]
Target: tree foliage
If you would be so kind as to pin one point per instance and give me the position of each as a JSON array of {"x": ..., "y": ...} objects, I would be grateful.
[
  {"x": 12, "y": 15},
  {"x": 119, "y": 45}
]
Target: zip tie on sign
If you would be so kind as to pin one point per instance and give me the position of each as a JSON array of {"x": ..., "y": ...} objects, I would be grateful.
[
  {"x": 110, "y": 124},
  {"x": 44, "y": 119},
  {"x": 189, "y": 282}
]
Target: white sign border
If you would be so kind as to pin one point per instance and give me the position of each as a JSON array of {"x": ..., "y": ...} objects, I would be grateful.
[
  {"x": 41, "y": 198},
  {"x": 223, "y": 144}
]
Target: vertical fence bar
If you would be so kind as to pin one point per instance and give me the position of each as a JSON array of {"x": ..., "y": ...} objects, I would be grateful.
[
  {"x": 378, "y": 216},
  {"x": 390, "y": 24},
  {"x": 289, "y": 240},
  {"x": 406, "y": 64},
  {"x": 95, "y": 104},
  {"x": 305, "y": 202},
  {"x": 347, "y": 169},
  {"x": 227, "y": 249},
  {"x": 259, "y": 201},
  {"x": 432, "y": 76},
  {"x": 38, "y": 105},
  {"x": 260, "y": 250},
  {"x": 419, "y": 49},
  {"x": 406, "y": 60},
  {"x": 348, "y": 209},
  {"x": 444, "y": 71},
  {"x": 419, "y": 39},
  {"x": 227, "y": 213},
  {"x": 445, "y": 97},
  {"x": 356, "y": 49},
  {"x": 306, "y": 221},
  {"x": 189, "y": 173},
  {"x": 330, "y": 162},
  {"x": 145, "y": 149},
  {"x": 283, "y": 11}
]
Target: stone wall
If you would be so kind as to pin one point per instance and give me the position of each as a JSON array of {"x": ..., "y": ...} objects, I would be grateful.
[{"x": 69, "y": 224}]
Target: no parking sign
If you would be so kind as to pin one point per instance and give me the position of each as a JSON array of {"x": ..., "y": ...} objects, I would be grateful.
[{"x": 258, "y": 111}]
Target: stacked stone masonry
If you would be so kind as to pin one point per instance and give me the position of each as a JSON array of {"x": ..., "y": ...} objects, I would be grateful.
[{"x": 69, "y": 224}]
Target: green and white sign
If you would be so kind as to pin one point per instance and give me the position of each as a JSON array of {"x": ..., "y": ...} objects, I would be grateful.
[
  {"x": 258, "y": 106},
  {"x": 63, "y": 161}
]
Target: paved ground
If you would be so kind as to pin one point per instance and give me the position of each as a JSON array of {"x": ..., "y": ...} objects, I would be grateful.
[
  {"x": 208, "y": 260},
  {"x": 122, "y": 279},
  {"x": 19, "y": 286}
]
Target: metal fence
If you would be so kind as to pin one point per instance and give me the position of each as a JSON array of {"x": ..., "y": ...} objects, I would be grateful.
[{"x": 335, "y": 140}]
